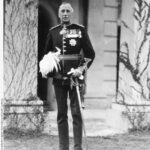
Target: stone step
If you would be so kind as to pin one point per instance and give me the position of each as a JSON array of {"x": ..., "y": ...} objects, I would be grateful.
[
  {"x": 98, "y": 103},
  {"x": 90, "y": 103},
  {"x": 95, "y": 123}
]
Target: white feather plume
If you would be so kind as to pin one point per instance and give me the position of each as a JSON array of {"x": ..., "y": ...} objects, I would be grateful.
[{"x": 50, "y": 62}]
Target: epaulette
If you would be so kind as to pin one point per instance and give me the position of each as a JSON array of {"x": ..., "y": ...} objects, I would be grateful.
[
  {"x": 54, "y": 27},
  {"x": 80, "y": 25}
]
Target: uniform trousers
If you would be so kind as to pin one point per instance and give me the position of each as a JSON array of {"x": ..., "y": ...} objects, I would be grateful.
[{"x": 62, "y": 92}]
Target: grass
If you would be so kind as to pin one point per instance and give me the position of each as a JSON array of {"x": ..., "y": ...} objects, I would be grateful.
[{"x": 34, "y": 140}]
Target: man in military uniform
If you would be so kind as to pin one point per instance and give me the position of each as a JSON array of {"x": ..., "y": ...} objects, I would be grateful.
[{"x": 71, "y": 39}]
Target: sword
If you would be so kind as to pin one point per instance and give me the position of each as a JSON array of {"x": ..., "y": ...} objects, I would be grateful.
[{"x": 81, "y": 109}]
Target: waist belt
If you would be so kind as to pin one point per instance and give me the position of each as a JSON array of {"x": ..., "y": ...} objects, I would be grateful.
[
  {"x": 69, "y": 61},
  {"x": 70, "y": 57}
]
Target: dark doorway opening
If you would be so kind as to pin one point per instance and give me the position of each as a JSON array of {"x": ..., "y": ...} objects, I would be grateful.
[{"x": 47, "y": 17}]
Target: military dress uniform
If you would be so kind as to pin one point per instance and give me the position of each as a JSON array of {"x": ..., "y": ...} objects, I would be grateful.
[{"x": 71, "y": 39}]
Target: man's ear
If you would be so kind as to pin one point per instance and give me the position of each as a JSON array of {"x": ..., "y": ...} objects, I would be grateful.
[{"x": 58, "y": 14}]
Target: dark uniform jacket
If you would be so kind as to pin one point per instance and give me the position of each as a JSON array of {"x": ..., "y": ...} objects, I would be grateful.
[{"x": 72, "y": 40}]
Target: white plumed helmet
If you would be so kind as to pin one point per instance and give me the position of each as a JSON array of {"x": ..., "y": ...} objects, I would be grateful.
[{"x": 50, "y": 62}]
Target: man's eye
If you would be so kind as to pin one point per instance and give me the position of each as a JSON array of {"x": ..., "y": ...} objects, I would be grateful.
[{"x": 63, "y": 10}]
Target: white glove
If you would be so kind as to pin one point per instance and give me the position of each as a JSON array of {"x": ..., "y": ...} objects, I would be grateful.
[{"x": 76, "y": 72}]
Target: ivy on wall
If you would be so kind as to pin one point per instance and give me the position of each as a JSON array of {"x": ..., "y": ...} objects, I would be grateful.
[
  {"x": 20, "y": 48},
  {"x": 134, "y": 77}
]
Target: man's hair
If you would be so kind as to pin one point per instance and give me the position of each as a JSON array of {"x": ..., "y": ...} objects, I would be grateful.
[{"x": 66, "y": 3}]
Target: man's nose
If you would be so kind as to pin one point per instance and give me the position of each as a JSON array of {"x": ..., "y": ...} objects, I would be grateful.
[{"x": 65, "y": 13}]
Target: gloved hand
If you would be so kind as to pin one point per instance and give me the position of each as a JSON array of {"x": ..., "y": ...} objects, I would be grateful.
[{"x": 76, "y": 72}]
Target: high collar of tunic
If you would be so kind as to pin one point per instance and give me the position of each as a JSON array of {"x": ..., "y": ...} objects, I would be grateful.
[{"x": 65, "y": 24}]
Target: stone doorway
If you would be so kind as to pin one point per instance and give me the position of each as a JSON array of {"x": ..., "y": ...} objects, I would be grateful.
[{"x": 103, "y": 34}]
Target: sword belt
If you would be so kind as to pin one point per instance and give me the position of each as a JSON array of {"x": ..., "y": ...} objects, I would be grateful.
[{"x": 70, "y": 57}]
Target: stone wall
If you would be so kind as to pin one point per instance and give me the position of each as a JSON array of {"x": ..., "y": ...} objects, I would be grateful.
[
  {"x": 20, "y": 49},
  {"x": 102, "y": 28}
]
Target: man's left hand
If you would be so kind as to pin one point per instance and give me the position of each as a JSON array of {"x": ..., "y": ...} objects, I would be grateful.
[{"x": 75, "y": 72}]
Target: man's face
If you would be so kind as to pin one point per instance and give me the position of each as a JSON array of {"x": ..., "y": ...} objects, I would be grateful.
[{"x": 65, "y": 13}]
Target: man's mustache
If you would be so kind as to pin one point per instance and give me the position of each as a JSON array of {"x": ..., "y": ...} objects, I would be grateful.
[{"x": 65, "y": 16}]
